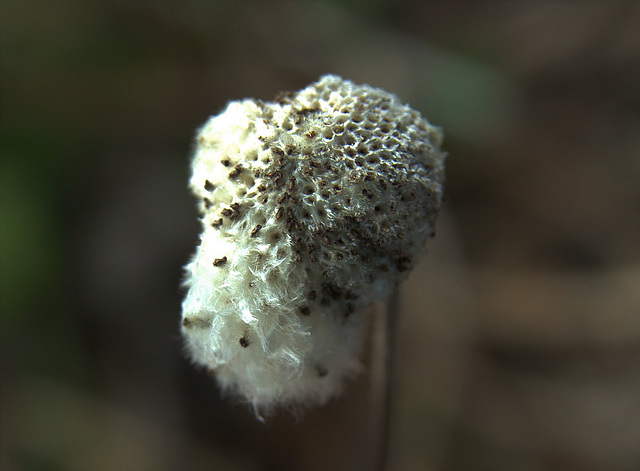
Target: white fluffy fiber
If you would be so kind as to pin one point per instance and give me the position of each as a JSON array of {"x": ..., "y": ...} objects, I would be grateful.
[{"x": 313, "y": 207}]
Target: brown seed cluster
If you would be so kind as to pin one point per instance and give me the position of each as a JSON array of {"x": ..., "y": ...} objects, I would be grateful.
[
  {"x": 347, "y": 183},
  {"x": 320, "y": 202}
]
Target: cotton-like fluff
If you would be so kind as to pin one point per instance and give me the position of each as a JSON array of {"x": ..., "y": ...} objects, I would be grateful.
[{"x": 313, "y": 207}]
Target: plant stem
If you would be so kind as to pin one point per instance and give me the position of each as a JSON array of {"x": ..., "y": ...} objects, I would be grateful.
[{"x": 383, "y": 349}]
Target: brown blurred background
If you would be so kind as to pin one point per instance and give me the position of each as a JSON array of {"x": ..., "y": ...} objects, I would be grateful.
[{"x": 519, "y": 342}]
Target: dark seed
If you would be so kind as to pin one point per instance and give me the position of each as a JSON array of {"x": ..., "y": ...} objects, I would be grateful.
[
  {"x": 282, "y": 197},
  {"x": 236, "y": 171},
  {"x": 255, "y": 230},
  {"x": 196, "y": 322},
  {"x": 218, "y": 262}
]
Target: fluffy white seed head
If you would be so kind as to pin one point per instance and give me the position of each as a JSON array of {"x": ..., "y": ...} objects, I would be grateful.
[{"x": 313, "y": 207}]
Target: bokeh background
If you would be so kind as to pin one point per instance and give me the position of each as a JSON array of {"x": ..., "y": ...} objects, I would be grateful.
[{"x": 519, "y": 336}]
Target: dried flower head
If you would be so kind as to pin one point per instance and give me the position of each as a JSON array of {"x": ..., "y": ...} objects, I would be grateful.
[{"x": 313, "y": 207}]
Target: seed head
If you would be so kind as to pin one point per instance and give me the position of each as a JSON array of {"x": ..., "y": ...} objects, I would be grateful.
[{"x": 313, "y": 207}]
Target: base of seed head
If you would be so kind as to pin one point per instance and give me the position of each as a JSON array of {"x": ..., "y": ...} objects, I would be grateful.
[{"x": 312, "y": 207}]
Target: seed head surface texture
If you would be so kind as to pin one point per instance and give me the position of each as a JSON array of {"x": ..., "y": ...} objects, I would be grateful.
[{"x": 312, "y": 207}]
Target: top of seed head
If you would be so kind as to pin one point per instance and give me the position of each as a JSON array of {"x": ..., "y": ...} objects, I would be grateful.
[{"x": 313, "y": 207}]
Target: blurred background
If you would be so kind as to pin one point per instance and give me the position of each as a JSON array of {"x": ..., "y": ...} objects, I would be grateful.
[{"x": 519, "y": 337}]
